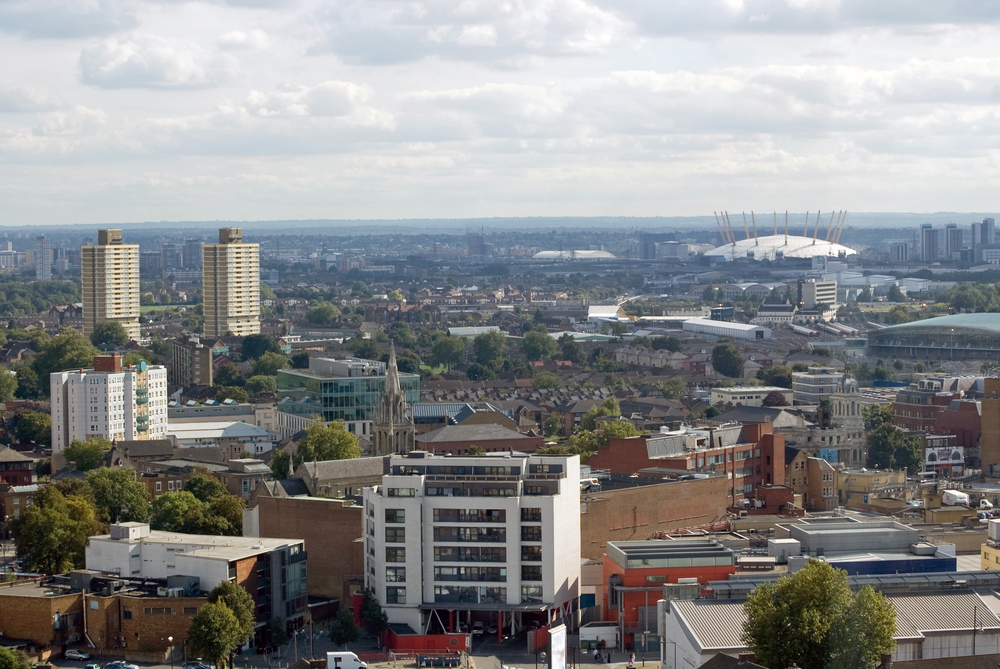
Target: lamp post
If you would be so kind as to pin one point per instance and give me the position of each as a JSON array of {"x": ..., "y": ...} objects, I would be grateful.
[
  {"x": 170, "y": 652},
  {"x": 543, "y": 659}
]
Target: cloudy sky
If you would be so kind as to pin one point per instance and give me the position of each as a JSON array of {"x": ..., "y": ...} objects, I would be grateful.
[{"x": 114, "y": 112}]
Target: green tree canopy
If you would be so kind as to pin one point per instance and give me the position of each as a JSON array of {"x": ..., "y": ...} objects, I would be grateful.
[
  {"x": 27, "y": 381},
  {"x": 109, "y": 334},
  {"x": 777, "y": 375},
  {"x": 86, "y": 454},
  {"x": 343, "y": 630},
  {"x": 256, "y": 345},
  {"x": 280, "y": 460},
  {"x": 300, "y": 360},
  {"x": 402, "y": 335},
  {"x": 876, "y": 415},
  {"x": 895, "y": 294},
  {"x": 322, "y": 313},
  {"x": 617, "y": 429},
  {"x": 372, "y": 616},
  {"x": 52, "y": 533},
  {"x": 548, "y": 381},
  {"x": 811, "y": 619},
  {"x": 34, "y": 426},
  {"x": 570, "y": 349},
  {"x": 204, "y": 486},
  {"x": 215, "y": 632},
  {"x": 228, "y": 508},
  {"x": 67, "y": 350},
  {"x": 8, "y": 385},
  {"x": 118, "y": 495},
  {"x": 176, "y": 511},
  {"x": 490, "y": 349},
  {"x": 726, "y": 359},
  {"x": 232, "y": 393},
  {"x": 673, "y": 387},
  {"x": 609, "y": 407},
  {"x": 888, "y": 448},
  {"x": 269, "y": 364},
  {"x": 675, "y": 344},
  {"x": 448, "y": 351},
  {"x": 775, "y": 398},
  {"x": 366, "y": 349},
  {"x": 13, "y": 659},
  {"x": 239, "y": 601},
  {"x": 327, "y": 442},
  {"x": 261, "y": 384},
  {"x": 538, "y": 345}
]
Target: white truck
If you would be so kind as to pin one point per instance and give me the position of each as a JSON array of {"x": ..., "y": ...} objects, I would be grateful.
[
  {"x": 985, "y": 504},
  {"x": 954, "y": 498},
  {"x": 344, "y": 660}
]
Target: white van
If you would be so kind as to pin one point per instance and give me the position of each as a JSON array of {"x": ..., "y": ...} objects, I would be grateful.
[{"x": 344, "y": 660}]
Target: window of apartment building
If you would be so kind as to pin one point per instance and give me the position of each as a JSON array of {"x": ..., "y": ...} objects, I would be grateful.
[
  {"x": 190, "y": 610},
  {"x": 395, "y": 535},
  {"x": 395, "y": 554},
  {"x": 158, "y": 611},
  {"x": 531, "y": 553},
  {"x": 170, "y": 485},
  {"x": 127, "y": 612},
  {"x": 493, "y": 596},
  {"x": 395, "y": 516},
  {"x": 401, "y": 492},
  {"x": 531, "y": 515},
  {"x": 531, "y": 572},
  {"x": 395, "y": 574},
  {"x": 531, "y": 593},
  {"x": 531, "y": 533},
  {"x": 159, "y": 486},
  {"x": 394, "y": 595}
]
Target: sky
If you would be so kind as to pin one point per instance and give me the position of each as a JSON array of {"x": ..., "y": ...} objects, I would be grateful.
[{"x": 117, "y": 112}]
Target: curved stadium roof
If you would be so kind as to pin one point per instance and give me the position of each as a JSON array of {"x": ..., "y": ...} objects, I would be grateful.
[
  {"x": 987, "y": 322},
  {"x": 957, "y": 337},
  {"x": 768, "y": 247}
]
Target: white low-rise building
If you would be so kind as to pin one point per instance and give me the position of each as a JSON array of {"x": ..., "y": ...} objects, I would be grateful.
[
  {"x": 108, "y": 401},
  {"x": 493, "y": 539},
  {"x": 232, "y": 437},
  {"x": 748, "y": 396},
  {"x": 726, "y": 329}
]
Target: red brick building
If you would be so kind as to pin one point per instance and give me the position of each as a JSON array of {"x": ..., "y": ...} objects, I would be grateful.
[
  {"x": 492, "y": 438},
  {"x": 749, "y": 455},
  {"x": 635, "y": 572}
]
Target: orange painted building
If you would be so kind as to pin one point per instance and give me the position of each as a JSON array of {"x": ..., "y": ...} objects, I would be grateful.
[{"x": 635, "y": 572}]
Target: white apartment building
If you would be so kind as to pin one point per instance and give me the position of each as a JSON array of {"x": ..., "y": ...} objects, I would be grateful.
[
  {"x": 748, "y": 396},
  {"x": 813, "y": 292},
  {"x": 452, "y": 540},
  {"x": 43, "y": 258},
  {"x": 108, "y": 401},
  {"x": 273, "y": 570},
  {"x": 110, "y": 283},
  {"x": 230, "y": 272},
  {"x": 815, "y": 385}
]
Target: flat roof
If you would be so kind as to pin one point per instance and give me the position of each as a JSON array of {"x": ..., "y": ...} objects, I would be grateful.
[
  {"x": 210, "y": 546},
  {"x": 727, "y": 324},
  {"x": 211, "y": 429}
]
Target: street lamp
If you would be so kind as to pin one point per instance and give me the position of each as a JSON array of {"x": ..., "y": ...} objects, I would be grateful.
[
  {"x": 543, "y": 659},
  {"x": 170, "y": 652}
]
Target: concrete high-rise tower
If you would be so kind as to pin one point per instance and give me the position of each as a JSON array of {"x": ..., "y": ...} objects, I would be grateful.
[
  {"x": 110, "y": 283},
  {"x": 230, "y": 274},
  {"x": 43, "y": 258}
]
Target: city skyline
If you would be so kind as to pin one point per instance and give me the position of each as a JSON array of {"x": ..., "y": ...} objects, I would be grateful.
[{"x": 139, "y": 111}]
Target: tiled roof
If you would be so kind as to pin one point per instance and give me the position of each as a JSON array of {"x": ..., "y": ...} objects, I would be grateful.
[
  {"x": 8, "y": 454},
  {"x": 484, "y": 432}
]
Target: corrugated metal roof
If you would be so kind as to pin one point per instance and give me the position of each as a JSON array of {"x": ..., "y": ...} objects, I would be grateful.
[
  {"x": 714, "y": 624},
  {"x": 916, "y": 614}
]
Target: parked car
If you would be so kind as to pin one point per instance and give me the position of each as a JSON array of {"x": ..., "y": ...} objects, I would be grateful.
[
  {"x": 92, "y": 666},
  {"x": 492, "y": 629},
  {"x": 74, "y": 654},
  {"x": 477, "y": 628}
]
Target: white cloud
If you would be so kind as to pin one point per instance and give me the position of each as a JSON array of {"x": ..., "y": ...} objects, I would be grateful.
[
  {"x": 75, "y": 122},
  {"x": 66, "y": 19},
  {"x": 19, "y": 98},
  {"x": 239, "y": 40},
  {"x": 330, "y": 98},
  {"x": 148, "y": 61}
]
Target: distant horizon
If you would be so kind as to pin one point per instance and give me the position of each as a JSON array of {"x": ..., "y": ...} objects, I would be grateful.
[{"x": 765, "y": 222}]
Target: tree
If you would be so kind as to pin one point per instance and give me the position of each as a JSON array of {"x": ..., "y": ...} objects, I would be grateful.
[
  {"x": 256, "y": 345},
  {"x": 109, "y": 334},
  {"x": 726, "y": 359},
  {"x": 895, "y": 294},
  {"x": 27, "y": 381},
  {"x": 552, "y": 426},
  {"x": 365, "y": 349},
  {"x": 609, "y": 407},
  {"x": 13, "y": 659},
  {"x": 34, "y": 426},
  {"x": 675, "y": 344},
  {"x": 548, "y": 381},
  {"x": 228, "y": 508},
  {"x": 322, "y": 313},
  {"x": 777, "y": 375},
  {"x": 327, "y": 442},
  {"x": 261, "y": 384},
  {"x": 672, "y": 388},
  {"x": 811, "y": 619},
  {"x": 228, "y": 375},
  {"x": 876, "y": 415},
  {"x": 708, "y": 295},
  {"x": 239, "y": 601},
  {"x": 300, "y": 360},
  {"x": 204, "y": 486},
  {"x": 279, "y": 631},
  {"x": 865, "y": 295},
  {"x": 215, "y": 632},
  {"x": 571, "y": 350},
  {"x": 618, "y": 429},
  {"x": 395, "y": 296},
  {"x": 52, "y": 533},
  {"x": 775, "y": 398},
  {"x": 448, "y": 351},
  {"x": 86, "y": 454},
  {"x": 280, "y": 460},
  {"x": 8, "y": 385},
  {"x": 372, "y": 616},
  {"x": 477, "y": 372},
  {"x": 538, "y": 345},
  {"x": 67, "y": 350},
  {"x": 343, "y": 630},
  {"x": 269, "y": 364},
  {"x": 232, "y": 393},
  {"x": 176, "y": 511},
  {"x": 118, "y": 495},
  {"x": 475, "y": 450},
  {"x": 888, "y": 448}
]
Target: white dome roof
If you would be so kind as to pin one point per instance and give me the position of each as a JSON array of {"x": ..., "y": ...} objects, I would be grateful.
[
  {"x": 769, "y": 247},
  {"x": 562, "y": 255}
]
